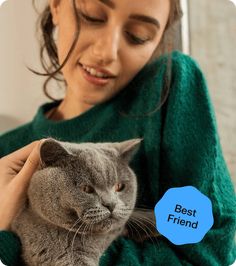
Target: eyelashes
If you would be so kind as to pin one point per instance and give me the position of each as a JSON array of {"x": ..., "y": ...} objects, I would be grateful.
[{"x": 134, "y": 39}]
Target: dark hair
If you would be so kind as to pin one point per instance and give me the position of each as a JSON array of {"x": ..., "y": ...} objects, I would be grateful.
[{"x": 47, "y": 43}]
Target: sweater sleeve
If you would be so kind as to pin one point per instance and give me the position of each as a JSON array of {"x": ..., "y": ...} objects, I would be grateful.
[
  {"x": 191, "y": 155},
  {"x": 10, "y": 248}
]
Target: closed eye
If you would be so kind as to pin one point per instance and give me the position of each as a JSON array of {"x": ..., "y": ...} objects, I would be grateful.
[
  {"x": 134, "y": 39},
  {"x": 90, "y": 19}
]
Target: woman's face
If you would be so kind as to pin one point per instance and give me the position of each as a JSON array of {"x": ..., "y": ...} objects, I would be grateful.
[{"x": 119, "y": 42}]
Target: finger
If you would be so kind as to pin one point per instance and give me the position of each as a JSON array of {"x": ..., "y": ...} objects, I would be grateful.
[
  {"x": 30, "y": 165},
  {"x": 11, "y": 202},
  {"x": 22, "y": 154}
]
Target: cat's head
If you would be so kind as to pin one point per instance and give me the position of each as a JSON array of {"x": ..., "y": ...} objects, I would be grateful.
[{"x": 85, "y": 184}]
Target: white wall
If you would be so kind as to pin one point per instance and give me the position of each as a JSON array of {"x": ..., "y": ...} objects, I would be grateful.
[
  {"x": 20, "y": 90},
  {"x": 213, "y": 44}
]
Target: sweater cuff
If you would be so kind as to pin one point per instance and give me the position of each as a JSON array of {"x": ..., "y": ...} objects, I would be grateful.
[{"x": 10, "y": 248}]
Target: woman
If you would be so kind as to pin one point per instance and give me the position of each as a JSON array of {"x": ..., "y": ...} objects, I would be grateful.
[{"x": 124, "y": 41}]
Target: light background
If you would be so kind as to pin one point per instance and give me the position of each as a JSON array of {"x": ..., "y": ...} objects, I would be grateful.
[{"x": 212, "y": 43}]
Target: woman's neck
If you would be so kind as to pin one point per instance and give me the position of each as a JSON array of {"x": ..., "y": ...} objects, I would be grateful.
[{"x": 67, "y": 109}]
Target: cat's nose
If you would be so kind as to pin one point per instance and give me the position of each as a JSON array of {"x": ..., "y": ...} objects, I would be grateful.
[{"x": 110, "y": 206}]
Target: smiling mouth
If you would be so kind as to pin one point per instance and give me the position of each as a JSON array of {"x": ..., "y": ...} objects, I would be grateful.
[
  {"x": 107, "y": 74},
  {"x": 93, "y": 79},
  {"x": 104, "y": 77}
]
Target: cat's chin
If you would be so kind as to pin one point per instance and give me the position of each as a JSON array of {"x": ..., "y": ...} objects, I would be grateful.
[
  {"x": 99, "y": 227},
  {"x": 105, "y": 226}
]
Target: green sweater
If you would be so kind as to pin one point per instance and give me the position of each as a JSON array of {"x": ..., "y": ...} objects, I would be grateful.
[{"x": 181, "y": 147}]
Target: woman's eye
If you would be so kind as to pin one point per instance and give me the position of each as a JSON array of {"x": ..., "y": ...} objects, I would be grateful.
[
  {"x": 90, "y": 19},
  {"x": 133, "y": 38},
  {"x": 137, "y": 40}
]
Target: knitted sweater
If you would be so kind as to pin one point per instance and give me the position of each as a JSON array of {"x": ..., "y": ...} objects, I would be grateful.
[{"x": 181, "y": 147}]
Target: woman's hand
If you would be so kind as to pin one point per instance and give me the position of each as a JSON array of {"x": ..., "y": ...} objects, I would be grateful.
[{"x": 16, "y": 170}]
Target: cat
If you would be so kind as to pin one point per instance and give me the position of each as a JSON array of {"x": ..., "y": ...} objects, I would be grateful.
[{"x": 78, "y": 201}]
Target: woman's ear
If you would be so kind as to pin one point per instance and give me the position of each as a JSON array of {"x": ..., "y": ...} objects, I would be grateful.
[{"x": 54, "y": 8}]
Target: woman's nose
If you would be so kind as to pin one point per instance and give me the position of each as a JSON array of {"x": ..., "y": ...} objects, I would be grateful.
[{"x": 106, "y": 48}]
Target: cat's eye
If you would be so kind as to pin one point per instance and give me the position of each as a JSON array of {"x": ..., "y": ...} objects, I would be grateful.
[
  {"x": 87, "y": 189},
  {"x": 119, "y": 187}
]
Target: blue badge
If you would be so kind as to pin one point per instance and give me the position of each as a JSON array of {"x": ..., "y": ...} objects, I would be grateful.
[{"x": 184, "y": 215}]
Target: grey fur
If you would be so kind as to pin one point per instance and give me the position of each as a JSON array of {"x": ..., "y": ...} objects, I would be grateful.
[{"x": 63, "y": 225}]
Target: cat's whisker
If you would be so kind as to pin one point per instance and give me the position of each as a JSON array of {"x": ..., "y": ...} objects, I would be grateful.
[
  {"x": 72, "y": 248},
  {"x": 143, "y": 224},
  {"x": 90, "y": 229},
  {"x": 147, "y": 209},
  {"x": 130, "y": 226},
  {"x": 133, "y": 226},
  {"x": 137, "y": 221},
  {"x": 145, "y": 215},
  {"x": 78, "y": 220},
  {"x": 147, "y": 220},
  {"x": 86, "y": 231},
  {"x": 66, "y": 241},
  {"x": 72, "y": 251},
  {"x": 70, "y": 230},
  {"x": 144, "y": 219},
  {"x": 84, "y": 234}
]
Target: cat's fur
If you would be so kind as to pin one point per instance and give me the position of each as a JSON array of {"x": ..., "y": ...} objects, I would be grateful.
[{"x": 65, "y": 223}]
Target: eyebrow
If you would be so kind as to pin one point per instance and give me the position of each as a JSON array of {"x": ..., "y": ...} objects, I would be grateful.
[
  {"x": 140, "y": 17},
  {"x": 108, "y": 3}
]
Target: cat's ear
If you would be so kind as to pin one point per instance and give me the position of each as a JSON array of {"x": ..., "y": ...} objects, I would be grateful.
[
  {"x": 128, "y": 148},
  {"x": 51, "y": 151}
]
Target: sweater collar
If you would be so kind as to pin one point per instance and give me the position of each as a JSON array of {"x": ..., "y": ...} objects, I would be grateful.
[{"x": 81, "y": 124}]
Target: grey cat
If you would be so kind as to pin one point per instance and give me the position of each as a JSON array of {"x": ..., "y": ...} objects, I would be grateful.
[{"x": 79, "y": 201}]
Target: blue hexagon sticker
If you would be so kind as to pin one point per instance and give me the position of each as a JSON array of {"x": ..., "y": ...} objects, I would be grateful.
[{"x": 184, "y": 215}]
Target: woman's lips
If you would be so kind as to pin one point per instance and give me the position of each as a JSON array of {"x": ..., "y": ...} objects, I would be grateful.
[
  {"x": 101, "y": 70},
  {"x": 92, "y": 79}
]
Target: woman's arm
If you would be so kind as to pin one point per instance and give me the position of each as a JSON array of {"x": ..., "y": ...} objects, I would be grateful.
[
  {"x": 191, "y": 155},
  {"x": 16, "y": 170}
]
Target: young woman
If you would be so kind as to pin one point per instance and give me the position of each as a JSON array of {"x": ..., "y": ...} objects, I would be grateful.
[{"x": 123, "y": 81}]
